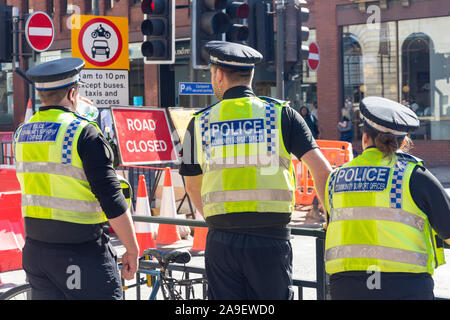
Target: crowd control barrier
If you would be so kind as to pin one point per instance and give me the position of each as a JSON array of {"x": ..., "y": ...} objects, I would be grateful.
[
  {"x": 336, "y": 152},
  {"x": 12, "y": 233},
  {"x": 319, "y": 234},
  {"x": 6, "y": 149}
]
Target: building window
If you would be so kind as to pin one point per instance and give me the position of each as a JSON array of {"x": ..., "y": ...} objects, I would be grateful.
[
  {"x": 6, "y": 95},
  {"x": 425, "y": 74},
  {"x": 109, "y": 4},
  {"x": 89, "y": 6}
]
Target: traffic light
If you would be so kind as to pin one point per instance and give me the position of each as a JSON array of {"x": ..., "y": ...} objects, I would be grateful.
[
  {"x": 296, "y": 33},
  {"x": 237, "y": 11},
  {"x": 303, "y": 35},
  {"x": 158, "y": 29},
  {"x": 6, "y": 34},
  {"x": 216, "y": 20},
  {"x": 261, "y": 30}
]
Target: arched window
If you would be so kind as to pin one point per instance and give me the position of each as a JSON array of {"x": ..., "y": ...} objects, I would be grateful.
[
  {"x": 416, "y": 73},
  {"x": 352, "y": 68}
]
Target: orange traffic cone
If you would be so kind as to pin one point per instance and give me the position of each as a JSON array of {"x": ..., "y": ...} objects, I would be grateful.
[
  {"x": 200, "y": 233},
  {"x": 29, "y": 112},
  {"x": 167, "y": 234},
  {"x": 144, "y": 231}
]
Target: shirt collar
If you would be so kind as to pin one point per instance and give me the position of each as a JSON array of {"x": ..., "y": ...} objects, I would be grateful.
[
  {"x": 238, "y": 92},
  {"x": 45, "y": 108}
]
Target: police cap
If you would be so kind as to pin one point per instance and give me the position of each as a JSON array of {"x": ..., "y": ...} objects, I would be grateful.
[
  {"x": 232, "y": 55},
  {"x": 56, "y": 74},
  {"x": 387, "y": 116}
]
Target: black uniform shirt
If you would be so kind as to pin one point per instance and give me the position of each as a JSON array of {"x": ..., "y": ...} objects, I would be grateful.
[
  {"x": 297, "y": 139},
  {"x": 97, "y": 158}
]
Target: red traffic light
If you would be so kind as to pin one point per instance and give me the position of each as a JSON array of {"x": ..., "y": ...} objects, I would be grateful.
[
  {"x": 153, "y": 6},
  {"x": 238, "y": 10}
]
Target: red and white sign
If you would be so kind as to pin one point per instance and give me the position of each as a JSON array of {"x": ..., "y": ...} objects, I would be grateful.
[
  {"x": 314, "y": 56},
  {"x": 39, "y": 31},
  {"x": 143, "y": 136}
]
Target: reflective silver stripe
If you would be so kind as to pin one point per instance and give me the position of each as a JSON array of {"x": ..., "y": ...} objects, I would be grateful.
[
  {"x": 61, "y": 204},
  {"x": 247, "y": 161},
  {"x": 376, "y": 252},
  {"x": 248, "y": 195},
  {"x": 52, "y": 168},
  {"x": 378, "y": 213}
]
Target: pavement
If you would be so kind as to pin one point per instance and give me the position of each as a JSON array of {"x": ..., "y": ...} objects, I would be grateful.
[{"x": 304, "y": 263}]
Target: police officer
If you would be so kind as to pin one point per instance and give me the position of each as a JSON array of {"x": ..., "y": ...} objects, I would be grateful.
[
  {"x": 387, "y": 213},
  {"x": 239, "y": 175},
  {"x": 69, "y": 190}
]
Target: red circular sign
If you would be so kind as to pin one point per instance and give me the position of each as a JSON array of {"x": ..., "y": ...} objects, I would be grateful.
[
  {"x": 84, "y": 51},
  {"x": 39, "y": 31},
  {"x": 314, "y": 56}
]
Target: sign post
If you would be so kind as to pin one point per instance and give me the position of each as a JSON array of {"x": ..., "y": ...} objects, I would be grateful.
[{"x": 102, "y": 42}]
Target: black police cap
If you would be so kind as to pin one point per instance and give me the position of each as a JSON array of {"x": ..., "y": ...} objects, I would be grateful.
[
  {"x": 232, "y": 55},
  {"x": 56, "y": 74},
  {"x": 388, "y": 116}
]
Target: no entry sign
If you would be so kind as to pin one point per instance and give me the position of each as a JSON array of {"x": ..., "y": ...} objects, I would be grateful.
[
  {"x": 143, "y": 136},
  {"x": 39, "y": 31},
  {"x": 314, "y": 56}
]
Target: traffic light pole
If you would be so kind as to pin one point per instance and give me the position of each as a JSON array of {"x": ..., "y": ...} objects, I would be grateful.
[{"x": 280, "y": 49}]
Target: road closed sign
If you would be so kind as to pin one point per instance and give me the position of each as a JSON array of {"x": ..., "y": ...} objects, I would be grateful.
[
  {"x": 102, "y": 42},
  {"x": 143, "y": 136}
]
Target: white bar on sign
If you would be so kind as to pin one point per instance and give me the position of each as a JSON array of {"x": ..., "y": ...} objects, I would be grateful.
[
  {"x": 35, "y": 31},
  {"x": 313, "y": 56}
]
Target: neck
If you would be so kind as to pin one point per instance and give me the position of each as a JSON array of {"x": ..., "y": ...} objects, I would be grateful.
[{"x": 64, "y": 103}]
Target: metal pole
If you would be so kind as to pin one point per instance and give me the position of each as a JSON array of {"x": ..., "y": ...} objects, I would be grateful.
[
  {"x": 96, "y": 8},
  {"x": 280, "y": 49}
]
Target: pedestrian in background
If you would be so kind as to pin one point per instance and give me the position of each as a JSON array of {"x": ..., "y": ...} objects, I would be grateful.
[
  {"x": 69, "y": 191},
  {"x": 311, "y": 121},
  {"x": 387, "y": 213},
  {"x": 239, "y": 175},
  {"x": 345, "y": 126}
]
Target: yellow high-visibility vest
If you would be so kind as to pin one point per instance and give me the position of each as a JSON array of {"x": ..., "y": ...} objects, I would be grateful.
[
  {"x": 374, "y": 221},
  {"x": 246, "y": 167},
  {"x": 50, "y": 172}
]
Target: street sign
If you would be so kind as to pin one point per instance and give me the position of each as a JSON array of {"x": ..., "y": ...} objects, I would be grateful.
[
  {"x": 102, "y": 42},
  {"x": 105, "y": 87},
  {"x": 314, "y": 56},
  {"x": 143, "y": 136},
  {"x": 195, "y": 88},
  {"x": 39, "y": 31}
]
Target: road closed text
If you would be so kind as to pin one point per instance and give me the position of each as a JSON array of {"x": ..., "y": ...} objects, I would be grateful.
[{"x": 146, "y": 146}]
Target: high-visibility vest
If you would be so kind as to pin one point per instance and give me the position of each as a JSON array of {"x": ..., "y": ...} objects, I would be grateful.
[
  {"x": 374, "y": 222},
  {"x": 245, "y": 165},
  {"x": 50, "y": 172}
]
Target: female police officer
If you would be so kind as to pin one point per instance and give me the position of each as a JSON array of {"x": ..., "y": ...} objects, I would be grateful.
[{"x": 384, "y": 208}]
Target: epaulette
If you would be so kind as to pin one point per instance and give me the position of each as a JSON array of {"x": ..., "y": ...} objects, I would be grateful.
[
  {"x": 204, "y": 109},
  {"x": 409, "y": 158},
  {"x": 273, "y": 100}
]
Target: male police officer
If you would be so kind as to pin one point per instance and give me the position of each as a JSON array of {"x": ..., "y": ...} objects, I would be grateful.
[
  {"x": 69, "y": 190},
  {"x": 243, "y": 181},
  {"x": 384, "y": 207}
]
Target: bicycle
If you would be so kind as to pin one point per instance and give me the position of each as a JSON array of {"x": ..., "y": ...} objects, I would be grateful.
[
  {"x": 159, "y": 276},
  {"x": 21, "y": 292}
]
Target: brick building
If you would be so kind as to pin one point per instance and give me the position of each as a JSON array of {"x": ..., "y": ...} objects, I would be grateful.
[{"x": 392, "y": 48}]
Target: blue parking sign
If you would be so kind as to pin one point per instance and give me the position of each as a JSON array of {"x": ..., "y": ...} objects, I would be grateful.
[{"x": 195, "y": 88}]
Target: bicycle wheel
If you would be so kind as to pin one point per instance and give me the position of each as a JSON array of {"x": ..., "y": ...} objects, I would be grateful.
[{"x": 22, "y": 292}]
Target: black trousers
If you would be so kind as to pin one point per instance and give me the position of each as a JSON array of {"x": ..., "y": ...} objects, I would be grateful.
[
  {"x": 86, "y": 271},
  {"x": 247, "y": 267},
  {"x": 354, "y": 285}
]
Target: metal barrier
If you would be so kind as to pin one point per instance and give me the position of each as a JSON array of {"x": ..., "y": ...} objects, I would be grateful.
[{"x": 320, "y": 284}]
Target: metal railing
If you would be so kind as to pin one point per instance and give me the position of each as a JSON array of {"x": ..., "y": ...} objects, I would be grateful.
[{"x": 320, "y": 284}]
